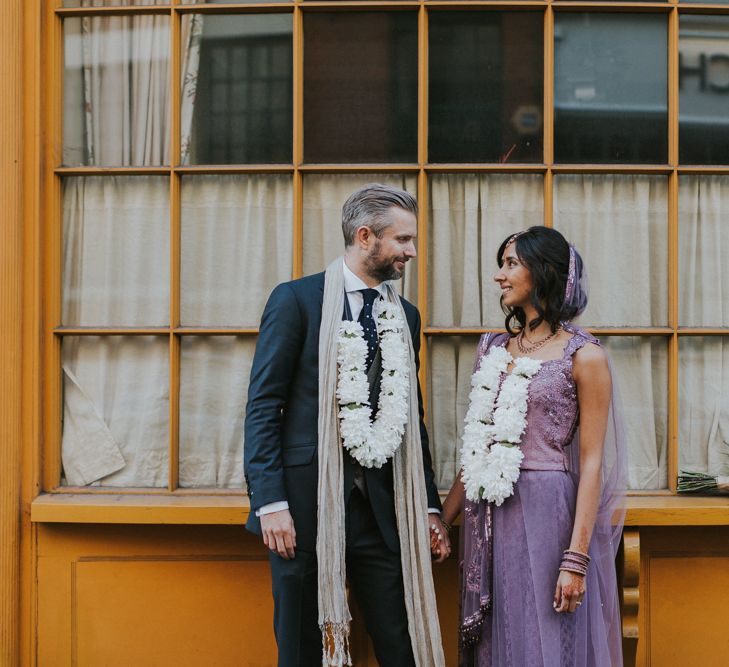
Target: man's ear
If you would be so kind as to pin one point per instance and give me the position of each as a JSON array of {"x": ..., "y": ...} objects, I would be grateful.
[{"x": 363, "y": 237}]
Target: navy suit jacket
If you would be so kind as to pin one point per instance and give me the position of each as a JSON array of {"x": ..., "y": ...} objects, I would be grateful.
[{"x": 281, "y": 427}]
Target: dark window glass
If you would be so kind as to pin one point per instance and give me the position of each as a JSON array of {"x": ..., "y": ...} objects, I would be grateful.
[
  {"x": 360, "y": 87},
  {"x": 610, "y": 90},
  {"x": 703, "y": 84},
  {"x": 485, "y": 87},
  {"x": 242, "y": 99}
]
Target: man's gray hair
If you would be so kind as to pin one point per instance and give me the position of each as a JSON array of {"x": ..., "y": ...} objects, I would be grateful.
[{"x": 367, "y": 207}]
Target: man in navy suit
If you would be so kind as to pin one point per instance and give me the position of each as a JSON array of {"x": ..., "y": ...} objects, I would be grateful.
[{"x": 281, "y": 440}]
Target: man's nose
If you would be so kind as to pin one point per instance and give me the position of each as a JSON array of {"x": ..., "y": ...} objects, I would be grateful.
[{"x": 411, "y": 250}]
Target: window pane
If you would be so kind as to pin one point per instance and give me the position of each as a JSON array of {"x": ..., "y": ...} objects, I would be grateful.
[
  {"x": 703, "y": 401},
  {"x": 324, "y": 195},
  {"x": 703, "y": 250},
  {"x": 640, "y": 366},
  {"x": 703, "y": 71},
  {"x": 620, "y": 226},
  {"x": 116, "y": 91},
  {"x": 236, "y": 246},
  {"x": 360, "y": 87},
  {"x": 116, "y": 251},
  {"x": 610, "y": 90},
  {"x": 236, "y": 88},
  {"x": 470, "y": 215},
  {"x": 450, "y": 364},
  {"x": 214, "y": 373},
  {"x": 485, "y": 87},
  {"x": 115, "y": 411}
]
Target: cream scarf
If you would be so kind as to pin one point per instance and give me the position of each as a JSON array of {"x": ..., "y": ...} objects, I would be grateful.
[{"x": 410, "y": 503}]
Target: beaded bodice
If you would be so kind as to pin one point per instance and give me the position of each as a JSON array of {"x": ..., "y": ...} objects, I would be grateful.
[{"x": 552, "y": 409}]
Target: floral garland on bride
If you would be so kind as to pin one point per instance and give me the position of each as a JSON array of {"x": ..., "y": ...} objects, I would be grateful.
[
  {"x": 373, "y": 443},
  {"x": 495, "y": 422}
]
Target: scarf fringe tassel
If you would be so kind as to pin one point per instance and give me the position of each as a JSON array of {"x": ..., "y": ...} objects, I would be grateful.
[{"x": 335, "y": 637}]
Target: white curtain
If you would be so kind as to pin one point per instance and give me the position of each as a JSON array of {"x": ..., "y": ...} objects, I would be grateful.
[
  {"x": 703, "y": 202},
  {"x": 214, "y": 373},
  {"x": 116, "y": 251},
  {"x": 704, "y": 404},
  {"x": 115, "y": 413},
  {"x": 640, "y": 365},
  {"x": 236, "y": 246},
  {"x": 470, "y": 215},
  {"x": 703, "y": 302},
  {"x": 619, "y": 223},
  {"x": 324, "y": 195}
]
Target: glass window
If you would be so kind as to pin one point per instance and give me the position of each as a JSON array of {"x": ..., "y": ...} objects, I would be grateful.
[
  {"x": 360, "y": 87},
  {"x": 450, "y": 364},
  {"x": 324, "y": 195},
  {"x": 619, "y": 223},
  {"x": 703, "y": 399},
  {"x": 116, "y": 251},
  {"x": 610, "y": 88},
  {"x": 116, "y": 91},
  {"x": 485, "y": 86},
  {"x": 214, "y": 373},
  {"x": 115, "y": 411},
  {"x": 703, "y": 84},
  {"x": 470, "y": 215},
  {"x": 640, "y": 367},
  {"x": 236, "y": 246},
  {"x": 703, "y": 250},
  {"x": 237, "y": 89}
]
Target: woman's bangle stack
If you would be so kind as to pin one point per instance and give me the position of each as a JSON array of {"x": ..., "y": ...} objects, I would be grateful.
[{"x": 574, "y": 561}]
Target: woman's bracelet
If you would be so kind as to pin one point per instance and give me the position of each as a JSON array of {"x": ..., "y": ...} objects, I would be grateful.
[
  {"x": 575, "y": 562},
  {"x": 446, "y": 525}
]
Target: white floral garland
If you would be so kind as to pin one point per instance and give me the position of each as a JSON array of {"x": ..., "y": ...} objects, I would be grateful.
[
  {"x": 373, "y": 443},
  {"x": 490, "y": 456}
]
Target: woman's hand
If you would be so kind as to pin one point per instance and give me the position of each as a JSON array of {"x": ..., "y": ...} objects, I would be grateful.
[
  {"x": 440, "y": 544},
  {"x": 569, "y": 592}
]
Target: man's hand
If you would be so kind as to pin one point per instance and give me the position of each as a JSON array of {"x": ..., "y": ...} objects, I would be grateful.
[
  {"x": 279, "y": 534},
  {"x": 440, "y": 544}
]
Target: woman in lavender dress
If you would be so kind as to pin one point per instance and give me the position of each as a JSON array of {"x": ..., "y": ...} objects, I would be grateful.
[{"x": 538, "y": 570}]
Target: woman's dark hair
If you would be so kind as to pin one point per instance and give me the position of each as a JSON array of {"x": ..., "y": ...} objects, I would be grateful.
[{"x": 546, "y": 253}]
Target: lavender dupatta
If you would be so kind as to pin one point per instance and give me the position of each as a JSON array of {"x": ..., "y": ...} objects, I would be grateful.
[{"x": 477, "y": 552}]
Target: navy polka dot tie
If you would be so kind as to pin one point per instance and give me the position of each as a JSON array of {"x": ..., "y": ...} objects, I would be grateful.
[{"x": 367, "y": 320}]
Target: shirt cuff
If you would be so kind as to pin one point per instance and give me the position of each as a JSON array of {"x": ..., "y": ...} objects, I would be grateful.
[
  {"x": 433, "y": 510},
  {"x": 272, "y": 507}
]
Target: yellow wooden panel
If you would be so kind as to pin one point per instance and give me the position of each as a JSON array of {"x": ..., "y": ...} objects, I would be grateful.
[
  {"x": 688, "y": 610},
  {"x": 54, "y": 621},
  {"x": 170, "y": 612}
]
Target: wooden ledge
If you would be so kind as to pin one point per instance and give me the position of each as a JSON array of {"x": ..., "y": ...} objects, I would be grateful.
[
  {"x": 149, "y": 509},
  {"x": 661, "y": 510},
  {"x": 673, "y": 510}
]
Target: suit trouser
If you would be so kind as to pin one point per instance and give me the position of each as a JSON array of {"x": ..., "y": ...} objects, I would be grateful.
[{"x": 374, "y": 573}]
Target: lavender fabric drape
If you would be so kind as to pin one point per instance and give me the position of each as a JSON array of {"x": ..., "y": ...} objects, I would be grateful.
[{"x": 511, "y": 554}]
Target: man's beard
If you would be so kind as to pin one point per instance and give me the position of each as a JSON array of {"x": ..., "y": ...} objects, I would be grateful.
[{"x": 380, "y": 269}]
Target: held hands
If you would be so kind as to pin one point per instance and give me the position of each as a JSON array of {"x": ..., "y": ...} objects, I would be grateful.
[
  {"x": 279, "y": 534},
  {"x": 569, "y": 592},
  {"x": 440, "y": 544}
]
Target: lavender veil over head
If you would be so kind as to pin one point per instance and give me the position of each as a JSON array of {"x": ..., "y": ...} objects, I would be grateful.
[{"x": 576, "y": 290}]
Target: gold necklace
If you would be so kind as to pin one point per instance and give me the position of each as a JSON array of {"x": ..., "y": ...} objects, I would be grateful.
[{"x": 528, "y": 350}]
